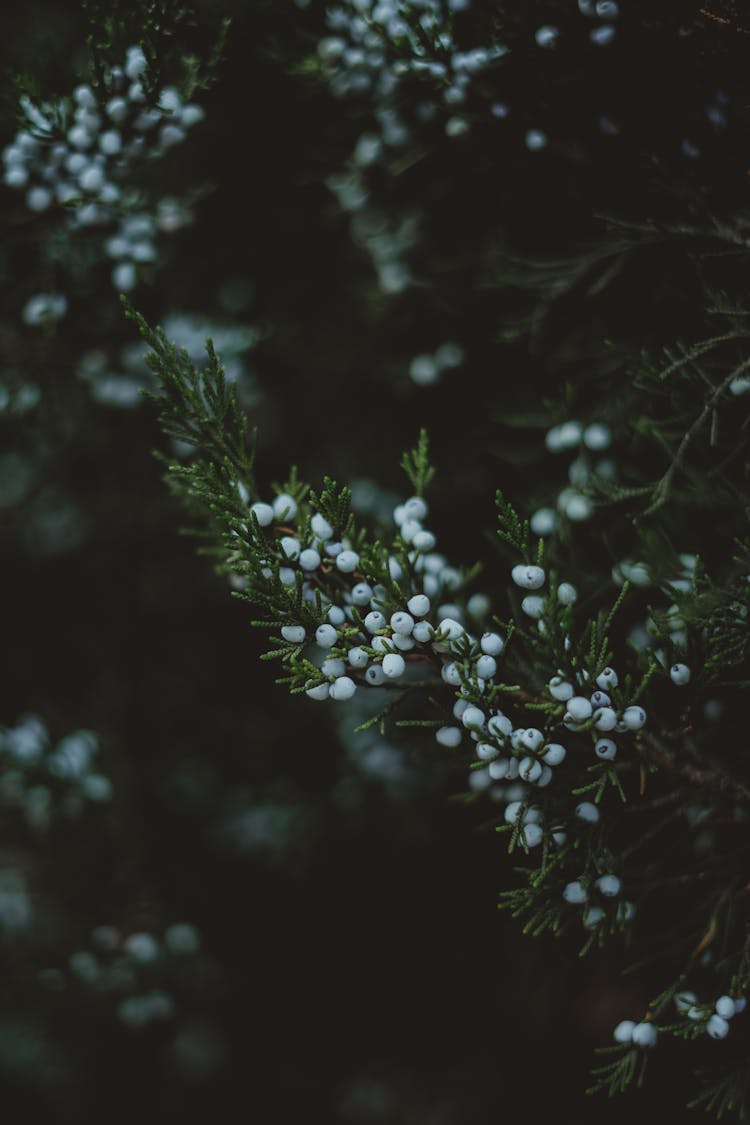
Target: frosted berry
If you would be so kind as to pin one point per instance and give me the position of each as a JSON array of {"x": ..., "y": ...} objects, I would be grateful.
[
  {"x": 553, "y": 754},
  {"x": 623, "y": 1033},
  {"x": 486, "y": 667},
  {"x": 361, "y": 594},
  {"x": 309, "y": 559},
  {"x": 560, "y": 689},
  {"x": 606, "y": 749},
  {"x": 263, "y": 513},
  {"x": 374, "y": 621},
  {"x": 321, "y": 527},
  {"x": 289, "y": 546},
  {"x": 607, "y": 679},
  {"x": 473, "y": 717},
  {"x": 492, "y": 644},
  {"x": 575, "y": 893},
  {"x": 422, "y": 632},
  {"x": 634, "y": 718},
  {"x": 579, "y": 709},
  {"x": 393, "y": 665},
  {"x": 295, "y": 634},
  {"x": 717, "y": 1027},
  {"x": 566, "y": 594},
  {"x": 725, "y": 1007},
  {"x": 587, "y": 812},
  {"x": 528, "y": 577},
  {"x": 318, "y": 693},
  {"x": 449, "y": 736},
  {"x": 285, "y": 507},
  {"x": 418, "y": 605},
  {"x": 679, "y": 674},
  {"x": 402, "y": 623},
  {"x": 325, "y": 636},
  {"x": 347, "y": 561},
  {"x": 605, "y": 718},
  {"x": 644, "y": 1035},
  {"x": 533, "y": 606},
  {"x": 609, "y": 886},
  {"x": 530, "y": 770},
  {"x": 342, "y": 688},
  {"x": 357, "y": 657}
]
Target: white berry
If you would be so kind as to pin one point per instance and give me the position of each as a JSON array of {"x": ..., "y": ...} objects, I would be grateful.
[
  {"x": 587, "y": 812},
  {"x": 679, "y": 674},
  {"x": 528, "y": 577},
  {"x": 285, "y": 507},
  {"x": 419, "y": 605},
  {"x": 393, "y": 665},
  {"x": 634, "y": 718},
  {"x": 554, "y": 754},
  {"x": 263, "y": 513},
  {"x": 347, "y": 561},
  {"x": 342, "y": 688},
  {"x": 492, "y": 644},
  {"x": 325, "y": 636},
  {"x": 295, "y": 634},
  {"x": 449, "y": 736},
  {"x": 717, "y": 1027}
]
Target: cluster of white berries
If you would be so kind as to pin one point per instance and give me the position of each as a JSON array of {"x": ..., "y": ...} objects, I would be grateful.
[
  {"x": 44, "y": 780},
  {"x": 426, "y": 369},
  {"x": 596, "y": 896},
  {"x": 134, "y": 970},
  {"x": 118, "y": 381},
  {"x": 375, "y": 47},
  {"x": 712, "y": 1019},
  {"x": 572, "y": 501},
  {"x": 642, "y": 1034},
  {"x": 604, "y": 11},
  {"x": 80, "y": 154}
]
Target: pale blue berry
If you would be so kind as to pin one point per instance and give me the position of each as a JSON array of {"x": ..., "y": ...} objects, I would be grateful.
[
  {"x": 560, "y": 689},
  {"x": 606, "y": 749},
  {"x": 607, "y": 679},
  {"x": 623, "y": 1033},
  {"x": 342, "y": 688},
  {"x": 529, "y": 769},
  {"x": 402, "y": 623},
  {"x": 294, "y": 634},
  {"x": 679, "y": 674},
  {"x": 717, "y": 1027},
  {"x": 321, "y": 527},
  {"x": 309, "y": 559},
  {"x": 357, "y": 657},
  {"x": 418, "y": 605},
  {"x": 393, "y": 665},
  {"x": 575, "y": 893},
  {"x": 374, "y": 621},
  {"x": 486, "y": 667},
  {"x": 725, "y": 1007},
  {"x": 263, "y": 513},
  {"x": 528, "y": 577},
  {"x": 579, "y": 709},
  {"x": 284, "y": 507},
  {"x": 347, "y": 561},
  {"x": 289, "y": 546},
  {"x": 634, "y": 718},
  {"x": 609, "y": 886},
  {"x": 448, "y": 736},
  {"x": 554, "y": 754},
  {"x": 326, "y": 636},
  {"x": 587, "y": 812}
]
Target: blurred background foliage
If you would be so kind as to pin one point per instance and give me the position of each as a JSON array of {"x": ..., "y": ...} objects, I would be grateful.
[{"x": 355, "y": 967}]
